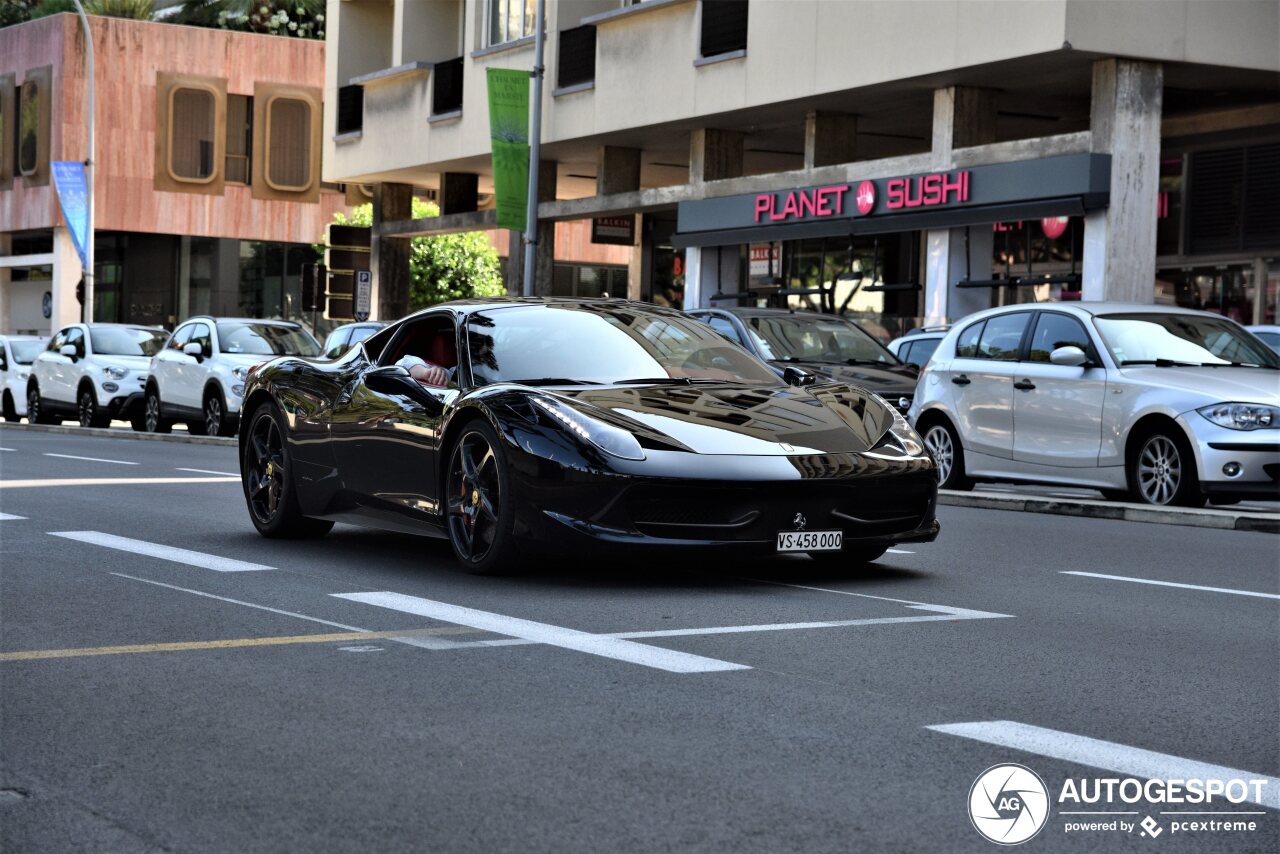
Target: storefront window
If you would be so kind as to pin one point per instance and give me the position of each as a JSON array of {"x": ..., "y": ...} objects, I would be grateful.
[
  {"x": 665, "y": 282},
  {"x": 1227, "y": 289},
  {"x": 583, "y": 280},
  {"x": 1041, "y": 258}
]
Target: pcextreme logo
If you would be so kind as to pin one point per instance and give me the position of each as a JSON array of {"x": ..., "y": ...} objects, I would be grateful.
[{"x": 1008, "y": 804}]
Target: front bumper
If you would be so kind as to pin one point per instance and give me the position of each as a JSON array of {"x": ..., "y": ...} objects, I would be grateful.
[
  {"x": 1256, "y": 452},
  {"x": 124, "y": 406},
  {"x": 874, "y": 501}
]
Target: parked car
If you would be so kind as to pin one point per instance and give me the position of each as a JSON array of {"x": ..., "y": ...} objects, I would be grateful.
[
  {"x": 575, "y": 423},
  {"x": 917, "y": 346},
  {"x": 1149, "y": 403},
  {"x": 199, "y": 375},
  {"x": 17, "y": 352},
  {"x": 94, "y": 372},
  {"x": 1268, "y": 334},
  {"x": 348, "y": 335},
  {"x": 825, "y": 344}
]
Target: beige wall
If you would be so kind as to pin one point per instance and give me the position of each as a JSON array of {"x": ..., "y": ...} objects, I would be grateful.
[{"x": 797, "y": 49}]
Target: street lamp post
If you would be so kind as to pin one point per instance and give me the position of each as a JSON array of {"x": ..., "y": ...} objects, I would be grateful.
[
  {"x": 89, "y": 172},
  {"x": 535, "y": 146}
]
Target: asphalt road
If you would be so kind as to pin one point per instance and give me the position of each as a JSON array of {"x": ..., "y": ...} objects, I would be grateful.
[{"x": 361, "y": 693}]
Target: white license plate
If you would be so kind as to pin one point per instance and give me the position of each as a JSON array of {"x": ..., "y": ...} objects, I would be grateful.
[{"x": 810, "y": 541}]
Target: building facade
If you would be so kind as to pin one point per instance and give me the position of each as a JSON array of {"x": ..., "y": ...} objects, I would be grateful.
[
  {"x": 208, "y": 192},
  {"x": 905, "y": 162}
]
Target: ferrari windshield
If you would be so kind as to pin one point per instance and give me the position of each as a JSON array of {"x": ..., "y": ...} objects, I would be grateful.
[
  {"x": 266, "y": 339},
  {"x": 812, "y": 339},
  {"x": 1180, "y": 339},
  {"x": 127, "y": 340},
  {"x": 603, "y": 345}
]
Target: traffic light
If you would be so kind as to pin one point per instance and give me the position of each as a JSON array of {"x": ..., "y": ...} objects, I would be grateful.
[{"x": 346, "y": 253}]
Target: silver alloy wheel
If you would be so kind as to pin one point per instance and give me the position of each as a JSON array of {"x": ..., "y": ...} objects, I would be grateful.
[
  {"x": 213, "y": 416},
  {"x": 151, "y": 414},
  {"x": 86, "y": 409},
  {"x": 33, "y": 406},
  {"x": 1159, "y": 470},
  {"x": 938, "y": 442}
]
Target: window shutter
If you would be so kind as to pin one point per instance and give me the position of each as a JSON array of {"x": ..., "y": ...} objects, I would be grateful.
[
  {"x": 1262, "y": 197},
  {"x": 1214, "y": 200}
]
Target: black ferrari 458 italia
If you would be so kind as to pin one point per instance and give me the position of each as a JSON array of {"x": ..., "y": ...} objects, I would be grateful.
[{"x": 571, "y": 423}]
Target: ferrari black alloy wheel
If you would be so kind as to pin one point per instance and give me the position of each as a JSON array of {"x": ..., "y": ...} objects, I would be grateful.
[
  {"x": 478, "y": 512},
  {"x": 268, "y": 489}
]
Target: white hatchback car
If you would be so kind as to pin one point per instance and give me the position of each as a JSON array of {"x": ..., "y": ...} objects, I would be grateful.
[
  {"x": 1150, "y": 403},
  {"x": 94, "y": 372},
  {"x": 17, "y": 352},
  {"x": 198, "y": 377}
]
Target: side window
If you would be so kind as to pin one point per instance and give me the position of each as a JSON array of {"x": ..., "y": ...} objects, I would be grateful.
[
  {"x": 432, "y": 339},
  {"x": 180, "y": 338},
  {"x": 55, "y": 343},
  {"x": 361, "y": 333},
  {"x": 1002, "y": 337},
  {"x": 904, "y": 352},
  {"x": 725, "y": 328},
  {"x": 75, "y": 337},
  {"x": 4, "y": 357},
  {"x": 337, "y": 343},
  {"x": 200, "y": 335},
  {"x": 922, "y": 351},
  {"x": 1053, "y": 331},
  {"x": 967, "y": 343}
]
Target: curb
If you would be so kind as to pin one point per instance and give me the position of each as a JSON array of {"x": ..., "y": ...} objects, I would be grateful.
[
  {"x": 1223, "y": 520},
  {"x": 119, "y": 433}
]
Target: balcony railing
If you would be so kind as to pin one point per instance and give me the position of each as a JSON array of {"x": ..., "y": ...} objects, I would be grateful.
[
  {"x": 446, "y": 93},
  {"x": 724, "y": 26},
  {"x": 577, "y": 62},
  {"x": 350, "y": 109}
]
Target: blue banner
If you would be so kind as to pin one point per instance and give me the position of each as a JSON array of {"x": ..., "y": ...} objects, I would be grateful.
[{"x": 73, "y": 195}]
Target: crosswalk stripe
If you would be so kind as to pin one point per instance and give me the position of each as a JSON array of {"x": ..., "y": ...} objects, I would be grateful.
[
  {"x": 1107, "y": 755},
  {"x": 9, "y": 517},
  {"x": 156, "y": 550},
  {"x": 607, "y": 647}
]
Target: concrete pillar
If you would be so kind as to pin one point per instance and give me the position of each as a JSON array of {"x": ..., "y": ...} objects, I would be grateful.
[
  {"x": 829, "y": 138},
  {"x": 1120, "y": 240},
  {"x": 389, "y": 260},
  {"x": 67, "y": 272},
  {"x": 635, "y": 269},
  {"x": 617, "y": 170},
  {"x": 715, "y": 155},
  {"x": 962, "y": 117},
  {"x": 6, "y": 278},
  {"x": 459, "y": 192},
  {"x": 709, "y": 270}
]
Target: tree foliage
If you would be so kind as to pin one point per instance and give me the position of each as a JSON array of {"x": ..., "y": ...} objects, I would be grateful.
[
  {"x": 140, "y": 10},
  {"x": 450, "y": 266},
  {"x": 294, "y": 18}
]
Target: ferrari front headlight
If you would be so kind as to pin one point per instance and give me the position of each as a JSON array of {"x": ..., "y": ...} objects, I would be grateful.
[{"x": 612, "y": 440}]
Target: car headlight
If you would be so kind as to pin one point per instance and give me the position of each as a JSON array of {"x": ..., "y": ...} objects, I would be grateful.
[
  {"x": 606, "y": 437},
  {"x": 906, "y": 435},
  {"x": 24, "y": 375},
  {"x": 240, "y": 373},
  {"x": 112, "y": 372},
  {"x": 1242, "y": 416},
  {"x": 238, "y": 390}
]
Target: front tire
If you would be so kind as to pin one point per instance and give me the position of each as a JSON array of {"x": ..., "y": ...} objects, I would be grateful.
[
  {"x": 152, "y": 420},
  {"x": 88, "y": 411},
  {"x": 35, "y": 409},
  {"x": 10, "y": 410},
  {"x": 479, "y": 505},
  {"x": 948, "y": 455},
  {"x": 1162, "y": 471},
  {"x": 267, "y": 477},
  {"x": 216, "y": 422}
]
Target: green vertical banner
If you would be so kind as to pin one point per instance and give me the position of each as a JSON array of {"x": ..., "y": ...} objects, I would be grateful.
[{"x": 509, "y": 134}]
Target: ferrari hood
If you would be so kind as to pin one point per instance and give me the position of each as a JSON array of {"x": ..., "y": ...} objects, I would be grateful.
[{"x": 761, "y": 421}]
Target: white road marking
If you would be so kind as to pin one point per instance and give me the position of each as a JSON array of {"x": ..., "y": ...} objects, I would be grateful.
[
  {"x": 899, "y": 552},
  {"x": 608, "y": 647},
  {"x": 6, "y": 449},
  {"x": 177, "y": 555},
  {"x": 425, "y": 642},
  {"x": 207, "y": 471},
  {"x": 9, "y": 517},
  {"x": 92, "y": 459},
  {"x": 1173, "y": 584},
  {"x": 110, "y": 481},
  {"x": 1108, "y": 755}
]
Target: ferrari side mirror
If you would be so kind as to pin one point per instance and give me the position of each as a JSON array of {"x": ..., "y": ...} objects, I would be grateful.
[{"x": 798, "y": 376}]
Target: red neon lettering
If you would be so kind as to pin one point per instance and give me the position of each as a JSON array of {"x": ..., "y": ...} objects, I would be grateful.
[
  {"x": 823, "y": 208},
  {"x": 839, "y": 191},
  {"x": 931, "y": 190},
  {"x": 957, "y": 187},
  {"x": 907, "y": 200},
  {"x": 807, "y": 201},
  {"x": 764, "y": 204},
  {"x": 894, "y": 193},
  {"x": 790, "y": 208}
]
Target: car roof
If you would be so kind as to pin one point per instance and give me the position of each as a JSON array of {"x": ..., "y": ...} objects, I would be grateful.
[
  {"x": 117, "y": 326},
  {"x": 8, "y": 337},
  {"x": 269, "y": 321},
  {"x": 1088, "y": 309},
  {"x": 471, "y": 306},
  {"x": 744, "y": 311}
]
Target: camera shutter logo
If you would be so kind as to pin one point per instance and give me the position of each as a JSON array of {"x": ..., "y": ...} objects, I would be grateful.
[{"x": 1008, "y": 804}]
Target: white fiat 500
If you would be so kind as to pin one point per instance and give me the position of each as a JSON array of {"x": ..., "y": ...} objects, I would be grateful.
[
  {"x": 93, "y": 372},
  {"x": 198, "y": 377},
  {"x": 1149, "y": 403}
]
